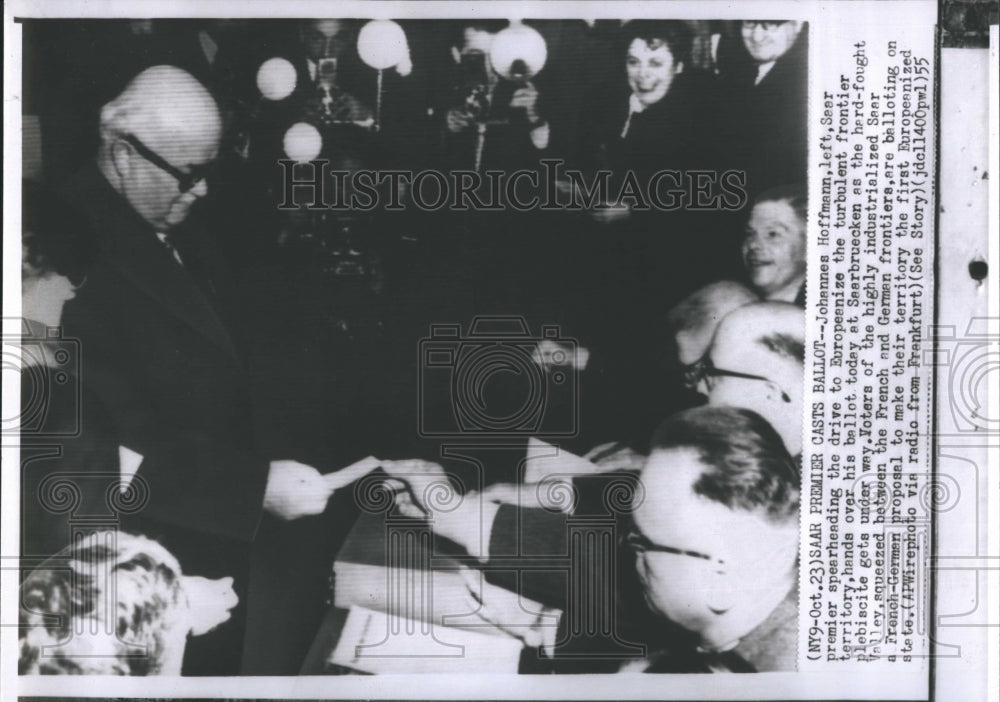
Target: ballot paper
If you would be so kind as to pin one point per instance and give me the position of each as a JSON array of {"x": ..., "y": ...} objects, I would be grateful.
[
  {"x": 377, "y": 642},
  {"x": 129, "y": 462},
  {"x": 545, "y": 461}
]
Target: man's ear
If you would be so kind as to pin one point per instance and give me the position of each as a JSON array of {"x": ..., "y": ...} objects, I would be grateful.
[
  {"x": 456, "y": 54},
  {"x": 680, "y": 67},
  {"x": 773, "y": 391},
  {"x": 121, "y": 158},
  {"x": 776, "y": 394}
]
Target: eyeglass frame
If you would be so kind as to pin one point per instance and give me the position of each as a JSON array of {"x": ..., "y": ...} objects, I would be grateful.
[
  {"x": 704, "y": 368},
  {"x": 641, "y": 543},
  {"x": 186, "y": 181},
  {"x": 766, "y": 25}
]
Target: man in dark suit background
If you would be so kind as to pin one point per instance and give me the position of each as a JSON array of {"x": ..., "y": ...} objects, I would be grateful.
[
  {"x": 763, "y": 106},
  {"x": 160, "y": 350}
]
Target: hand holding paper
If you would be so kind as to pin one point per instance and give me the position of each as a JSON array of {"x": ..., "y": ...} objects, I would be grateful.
[
  {"x": 427, "y": 486},
  {"x": 297, "y": 490}
]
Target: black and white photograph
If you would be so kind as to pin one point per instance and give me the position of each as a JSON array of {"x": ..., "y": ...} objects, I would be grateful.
[{"x": 362, "y": 342}]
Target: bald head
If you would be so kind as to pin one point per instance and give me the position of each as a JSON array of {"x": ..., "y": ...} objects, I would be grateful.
[
  {"x": 719, "y": 486},
  {"x": 767, "y": 327},
  {"x": 692, "y": 322},
  {"x": 173, "y": 116},
  {"x": 765, "y": 341}
]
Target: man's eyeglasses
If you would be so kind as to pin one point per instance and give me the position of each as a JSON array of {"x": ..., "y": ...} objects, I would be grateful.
[
  {"x": 185, "y": 180},
  {"x": 705, "y": 370},
  {"x": 640, "y": 543},
  {"x": 766, "y": 25}
]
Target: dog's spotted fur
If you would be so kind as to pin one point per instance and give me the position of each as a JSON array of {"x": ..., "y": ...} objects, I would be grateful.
[{"x": 65, "y": 621}]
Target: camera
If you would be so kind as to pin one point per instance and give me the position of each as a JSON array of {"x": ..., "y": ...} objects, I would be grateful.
[
  {"x": 48, "y": 365},
  {"x": 472, "y": 94},
  {"x": 492, "y": 382}
]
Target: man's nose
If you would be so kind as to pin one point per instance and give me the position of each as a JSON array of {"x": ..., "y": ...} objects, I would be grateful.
[
  {"x": 759, "y": 33},
  {"x": 701, "y": 386},
  {"x": 200, "y": 188}
]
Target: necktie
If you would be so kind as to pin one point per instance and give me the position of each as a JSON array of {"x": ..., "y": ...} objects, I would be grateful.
[
  {"x": 687, "y": 660},
  {"x": 185, "y": 252},
  {"x": 165, "y": 240}
]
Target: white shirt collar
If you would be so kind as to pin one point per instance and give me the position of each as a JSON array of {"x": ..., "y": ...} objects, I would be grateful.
[{"x": 762, "y": 70}]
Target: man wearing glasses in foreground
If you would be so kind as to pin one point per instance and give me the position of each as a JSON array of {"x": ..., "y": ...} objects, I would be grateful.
[
  {"x": 711, "y": 536},
  {"x": 756, "y": 361},
  {"x": 160, "y": 350}
]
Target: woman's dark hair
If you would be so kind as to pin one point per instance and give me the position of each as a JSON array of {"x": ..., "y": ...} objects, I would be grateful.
[
  {"x": 674, "y": 33},
  {"x": 58, "y": 238}
]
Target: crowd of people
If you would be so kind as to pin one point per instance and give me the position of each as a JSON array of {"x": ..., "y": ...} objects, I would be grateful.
[{"x": 222, "y": 361}]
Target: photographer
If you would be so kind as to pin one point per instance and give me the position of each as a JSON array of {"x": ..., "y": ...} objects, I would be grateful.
[{"x": 490, "y": 122}]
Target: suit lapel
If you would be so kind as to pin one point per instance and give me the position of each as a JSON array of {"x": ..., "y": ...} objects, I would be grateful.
[{"x": 132, "y": 248}]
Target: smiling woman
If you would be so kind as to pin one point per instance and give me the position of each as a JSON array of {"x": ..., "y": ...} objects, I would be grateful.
[
  {"x": 652, "y": 118},
  {"x": 655, "y": 56}
]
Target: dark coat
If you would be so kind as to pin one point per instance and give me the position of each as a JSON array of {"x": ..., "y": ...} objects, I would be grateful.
[
  {"x": 579, "y": 564},
  {"x": 762, "y": 128},
  {"x": 158, "y": 355}
]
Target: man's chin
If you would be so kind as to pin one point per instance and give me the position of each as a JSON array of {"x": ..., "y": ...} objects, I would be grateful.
[{"x": 172, "y": 222}]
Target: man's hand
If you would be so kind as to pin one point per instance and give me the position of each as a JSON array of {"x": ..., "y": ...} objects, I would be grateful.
[
  {"x": 526, "y": 98},
  {"x": 210, "y": 602},
  {"x": 348, "y": 108},
  {"x": 614, "y": 456},
  {"x": 427, "y": 487},
  {"x": 551, "y": 353},
  {"x": 611, "y": 213},
  {"x": 295, "y": 490},
  {"x": 428, "y": 494},
  {"x": 554, "y": 493},
  {"x": 457, "y": 120}
]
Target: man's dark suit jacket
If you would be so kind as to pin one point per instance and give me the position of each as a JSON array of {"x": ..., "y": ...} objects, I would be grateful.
[
  {"x": 156, "y": 351},
  {"x": 580, "y": 565},
  {"x": 762, "y": 128}
]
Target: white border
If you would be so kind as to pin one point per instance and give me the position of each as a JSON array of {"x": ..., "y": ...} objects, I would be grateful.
[
  {"x": 856, "y": 685},
  {"x": 993, "y": 453}
]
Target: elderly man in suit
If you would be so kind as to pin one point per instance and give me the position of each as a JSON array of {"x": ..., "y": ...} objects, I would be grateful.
[{"x": 154, "y": 321}]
